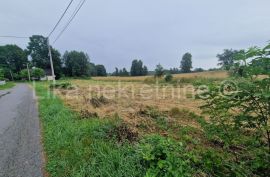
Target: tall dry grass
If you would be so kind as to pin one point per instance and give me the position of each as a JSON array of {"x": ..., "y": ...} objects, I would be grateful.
[{"x": 206, "y": 74}]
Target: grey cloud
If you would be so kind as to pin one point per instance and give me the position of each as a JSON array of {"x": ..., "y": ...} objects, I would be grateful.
[{"x": 113, "y": 32}]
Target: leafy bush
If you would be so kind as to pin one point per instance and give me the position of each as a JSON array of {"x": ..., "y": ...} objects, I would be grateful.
[
  {"x": 239, "y": 109},
  {"x": 198, "y": 70},
  {"x": 168, "y": 77},
  {"x": 164, "y": 158},
  {"x": 37, "y": 73},
  {"x": 24, "y": 74}
]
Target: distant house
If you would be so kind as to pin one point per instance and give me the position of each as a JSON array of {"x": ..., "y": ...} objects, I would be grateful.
[{"x": 48, "y": 75}]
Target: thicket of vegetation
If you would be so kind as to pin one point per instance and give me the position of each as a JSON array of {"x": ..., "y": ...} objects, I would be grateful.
[{"x": 239, "y": 110}]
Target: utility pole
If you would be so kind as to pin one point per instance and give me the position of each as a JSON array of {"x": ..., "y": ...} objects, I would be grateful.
[
  {"x": 28, "y": 72},
  {"x": 50, "y": 55},
  {"x": 11, "y": 75}
]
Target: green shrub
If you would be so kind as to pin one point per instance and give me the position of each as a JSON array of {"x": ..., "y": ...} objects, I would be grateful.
[
  {"x": 37, "y": 73},
  {"x": 168, "y": 77},
  {"x": 164, "y": 158},
  {"x": 24, "y": 74},
  {"x": 239, "y": 111}
]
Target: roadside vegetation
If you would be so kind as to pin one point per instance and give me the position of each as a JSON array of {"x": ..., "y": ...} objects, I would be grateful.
[
  {"x": 8, "y": 85},
  {"x": 222, "y": 131}
]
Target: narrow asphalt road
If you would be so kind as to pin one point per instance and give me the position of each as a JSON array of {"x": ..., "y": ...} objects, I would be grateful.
[{"x": 20, "y": 144}]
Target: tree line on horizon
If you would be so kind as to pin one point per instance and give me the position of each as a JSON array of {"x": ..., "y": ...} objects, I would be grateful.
[{"x": 14, "y": 61}]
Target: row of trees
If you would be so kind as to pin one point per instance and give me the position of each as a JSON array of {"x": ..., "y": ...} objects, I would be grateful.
[
  {"x": 121, "y": 72},
  {"x": 137, "y": 69},
  {"x": 14, "y": 61}
]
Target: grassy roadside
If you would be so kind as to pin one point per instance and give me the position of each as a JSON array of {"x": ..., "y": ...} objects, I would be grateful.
[
  {"x": 91, "y": 147},
  {"x": 8, "y": 85},
  {"x": 76, "y": 147}
]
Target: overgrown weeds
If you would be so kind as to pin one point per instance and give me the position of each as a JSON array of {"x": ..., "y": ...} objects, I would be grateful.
[
  {"x": 62, "y": 85},
  {"x": 122, "y": 133},
  {"x": 8, "y": 85},
  {"x": 98, "y": 101}
]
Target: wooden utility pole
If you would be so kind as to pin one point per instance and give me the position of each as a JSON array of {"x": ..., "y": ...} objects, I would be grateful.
[
  {"x": 51, "y": 61},
  {"x": 28, "y": 72}
]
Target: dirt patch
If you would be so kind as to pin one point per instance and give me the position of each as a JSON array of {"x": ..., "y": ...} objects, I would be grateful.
[{"x": 123, "y": 133}]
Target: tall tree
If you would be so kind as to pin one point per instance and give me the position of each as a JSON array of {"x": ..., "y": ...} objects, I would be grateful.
[
  {"x": 101, "y": 71},
  {"x": 186, "y": 63},
  {"x": 38, "y": 50},
  {"x": 12, "y": 60},
  {"x": 76, "y": 64},
  {"x": 125, "y": 72},
  {"x": 92, "y": 69},
  {"x": 137, "y": 68},
  {"x": 145, "y": 71},
  {"x": 159, "y": 71},
  {"x": 116, "y": 72},
  {"x": 226, "y": 58},
  {"x": 133, "y": 68}
]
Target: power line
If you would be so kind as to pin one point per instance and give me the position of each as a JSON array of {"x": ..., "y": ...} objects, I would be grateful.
[
  {"x": 71, "y": 18},
  {"x": 60, "y": 18},
  {"x": 22, "y": 37}
]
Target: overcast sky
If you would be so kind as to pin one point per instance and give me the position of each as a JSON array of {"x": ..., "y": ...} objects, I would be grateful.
[{"x": 113, "y": 32}]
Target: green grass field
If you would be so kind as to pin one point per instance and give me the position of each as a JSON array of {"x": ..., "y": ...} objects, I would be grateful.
[{"x": 8, "y": 85}]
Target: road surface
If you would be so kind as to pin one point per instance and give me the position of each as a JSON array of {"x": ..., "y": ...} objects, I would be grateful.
[{"x": 20, "y": 144}]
